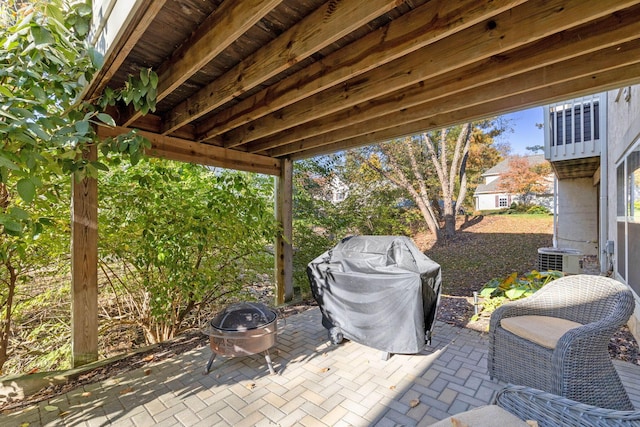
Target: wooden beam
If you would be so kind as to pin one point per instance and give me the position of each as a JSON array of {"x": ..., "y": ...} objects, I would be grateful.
[
  {"x": 324, "y": 26},
  {"x": 172, "y": 148},
  {"x": 530, "y": 59},
  {"x": 139, "y": 20},
  {"x": 430, "y": 22},
  {"x": 595, "y": 82},
  {"x": 573, "y": 69},
  {"x": 284, "y": 246},
  {"x": 524, "y": 24},
  {"x": 218, "y": 31},
  {"x": 84, "y": 267}
]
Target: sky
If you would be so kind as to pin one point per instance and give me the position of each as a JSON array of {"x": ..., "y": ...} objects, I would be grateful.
[{"x": 524, "y": 132}]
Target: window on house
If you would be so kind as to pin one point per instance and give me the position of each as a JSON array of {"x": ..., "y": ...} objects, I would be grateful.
[
  {"x": 503, "y": 202},
  {"x": 628, "y": 218}
]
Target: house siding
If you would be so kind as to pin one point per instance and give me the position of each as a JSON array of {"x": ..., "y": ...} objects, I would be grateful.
[
  {"x": 578, "y": 219},
  {"x": 623, "y": 131}
]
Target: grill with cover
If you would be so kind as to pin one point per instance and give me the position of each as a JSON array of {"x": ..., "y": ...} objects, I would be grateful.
[{"x": 379, "y": 291}]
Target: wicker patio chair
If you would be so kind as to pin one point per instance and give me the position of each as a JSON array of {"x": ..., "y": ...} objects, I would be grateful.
[
  {"x": 551, "y": 410},
  {"x": 576, "y": 366}
]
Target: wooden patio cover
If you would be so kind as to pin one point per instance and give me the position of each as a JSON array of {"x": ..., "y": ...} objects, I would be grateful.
[{"x": 255, "y": 84}]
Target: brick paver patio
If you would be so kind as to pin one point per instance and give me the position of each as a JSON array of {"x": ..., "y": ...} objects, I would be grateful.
[{"x": 316, "y": 384}]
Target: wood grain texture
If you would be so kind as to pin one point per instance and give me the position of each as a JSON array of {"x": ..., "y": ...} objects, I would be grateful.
[
  {"x": 284, "y": 247},
  {"x": 84, "y": 268}
]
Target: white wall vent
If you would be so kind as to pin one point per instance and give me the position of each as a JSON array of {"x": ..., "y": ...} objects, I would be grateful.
[{"x": 560, "y": 259}]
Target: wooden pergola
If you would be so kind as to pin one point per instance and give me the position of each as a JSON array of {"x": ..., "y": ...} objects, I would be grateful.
[{"x": 255, "y": 84}]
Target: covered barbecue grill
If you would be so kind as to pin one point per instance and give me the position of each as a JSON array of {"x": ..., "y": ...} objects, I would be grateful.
[
  {"x": 242, "y": 329},
  {"x": 379, "y": 291}
]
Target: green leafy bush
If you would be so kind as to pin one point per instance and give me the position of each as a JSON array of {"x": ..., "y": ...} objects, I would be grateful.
[
  {"x": 513, "y": 287},
  {"x": 538, "y": 210}
]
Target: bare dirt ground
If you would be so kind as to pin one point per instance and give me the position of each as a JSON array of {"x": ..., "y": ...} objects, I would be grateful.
[{"x": 484, "y": 247}]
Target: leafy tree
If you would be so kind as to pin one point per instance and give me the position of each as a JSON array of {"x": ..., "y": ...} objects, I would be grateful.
[
  {"x": 45, "y": 127},
  {"x": 179, "y": 237},
  {"x": 432, "y": 167},
  {"x": 524, "y": 179}
]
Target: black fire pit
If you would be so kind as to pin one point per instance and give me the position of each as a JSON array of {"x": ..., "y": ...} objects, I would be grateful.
[{"x": 242, "y": 329}]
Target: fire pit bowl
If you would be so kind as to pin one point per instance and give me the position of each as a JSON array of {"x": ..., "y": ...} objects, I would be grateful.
[{"x": 242, "y": 329}]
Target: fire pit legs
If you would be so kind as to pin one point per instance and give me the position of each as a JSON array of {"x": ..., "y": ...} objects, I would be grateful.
[
  {"x": 269, "y": 364},
  {"x": 209, "y": 363},
  {"x": 267, "y": 357}
]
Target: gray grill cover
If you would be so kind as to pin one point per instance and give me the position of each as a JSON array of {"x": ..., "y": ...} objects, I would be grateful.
[{"x": 380, "y": 291}]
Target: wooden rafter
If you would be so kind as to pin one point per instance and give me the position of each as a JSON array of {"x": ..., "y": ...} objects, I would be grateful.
[
  {"x": 594, "y": 82},
  {"x": 323, "y": 27},
  {"x": 206, "y": 43},
  {"x": 430, "y": 22},
  {"x": 506, "y": 31},
  {"x": 589, "y": 40}
]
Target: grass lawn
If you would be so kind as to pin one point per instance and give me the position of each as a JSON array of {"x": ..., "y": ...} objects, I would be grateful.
[{"x": 487, "y": 247}]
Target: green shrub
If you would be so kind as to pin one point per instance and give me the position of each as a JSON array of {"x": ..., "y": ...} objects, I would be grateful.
[
  {"x": 538, "y": 210},
  {"x": 513, "y": 287}
]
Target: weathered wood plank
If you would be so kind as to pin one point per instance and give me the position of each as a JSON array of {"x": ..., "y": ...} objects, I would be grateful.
[
  {"x": 321, "y": 28},
  {"x": 524, "y": 24},
  {"x": 84, "y": 268},
  {"x": 583, "y": 40},
  {"x": 576, "y": 68},
  {"x": 183, "y": 150},
  {"x": 141, "y": 16},
  {"x": 424, "y": 25},
  {"x": 600, "y": 81},
  {"x": 221, "y": 29},
  {"x": 284, "y": 247}
]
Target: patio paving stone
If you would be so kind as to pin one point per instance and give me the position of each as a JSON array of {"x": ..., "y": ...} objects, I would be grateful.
[{"x": 317, "y": 384}]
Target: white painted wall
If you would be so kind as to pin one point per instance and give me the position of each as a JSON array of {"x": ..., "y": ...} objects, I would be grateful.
[
  {"x": 623, "y": 130},
  {"x": 578, "y": 215}
]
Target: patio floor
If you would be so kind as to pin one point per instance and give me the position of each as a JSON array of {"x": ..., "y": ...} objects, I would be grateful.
[{"x": 316, "y": 384}]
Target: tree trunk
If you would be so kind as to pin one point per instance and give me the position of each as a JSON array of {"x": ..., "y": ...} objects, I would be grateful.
[{"x": 5, "y": 330}]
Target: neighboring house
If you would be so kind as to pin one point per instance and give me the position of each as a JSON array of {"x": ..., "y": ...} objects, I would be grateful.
[
  {"x": 489, "y": 196},
  {"x": 593, "y": 144},
  {"x": 333, "y": 190},
  {"x": 339, "y": 190}
]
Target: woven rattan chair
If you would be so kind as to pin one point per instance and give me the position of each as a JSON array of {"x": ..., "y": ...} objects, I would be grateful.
[
  {"x": 578, "y": 365},
  {"x": 551, "y": 410}
]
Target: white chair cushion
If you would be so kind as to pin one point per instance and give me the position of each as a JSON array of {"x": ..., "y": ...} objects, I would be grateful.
[
  {"x": 542, "y": 330},
  {"x": 484, "y": 416}
]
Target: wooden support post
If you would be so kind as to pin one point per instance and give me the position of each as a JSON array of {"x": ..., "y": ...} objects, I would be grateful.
[
  {"x": 284, "y": 249},
  {"x": 84, "y": 267}
]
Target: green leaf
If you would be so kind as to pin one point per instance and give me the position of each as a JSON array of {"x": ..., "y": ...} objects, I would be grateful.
[
  {"x": 107, "y": 119},
  {"x": 82, "y": 27},
  {"x": 6, "y": 92},
  {"x": 6, "y": 163},
  {"x": 515, "y": 293},
  {"x": 26, "y": 190},
  {"x": 100, "y": 166},
  {"x": 13, "y": 228},
  {"x": 19, "y": 213},
  {"x": 153, "y": 77},
  {"x": 144, "y": 76},
  {"x": 97, "y": 59},
  {"x": 41, "y": 36},
  {"x": 82, "y": 127}
]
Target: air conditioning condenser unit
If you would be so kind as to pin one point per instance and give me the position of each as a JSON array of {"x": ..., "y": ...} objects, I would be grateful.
[{"x": 560, "y": 259}]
